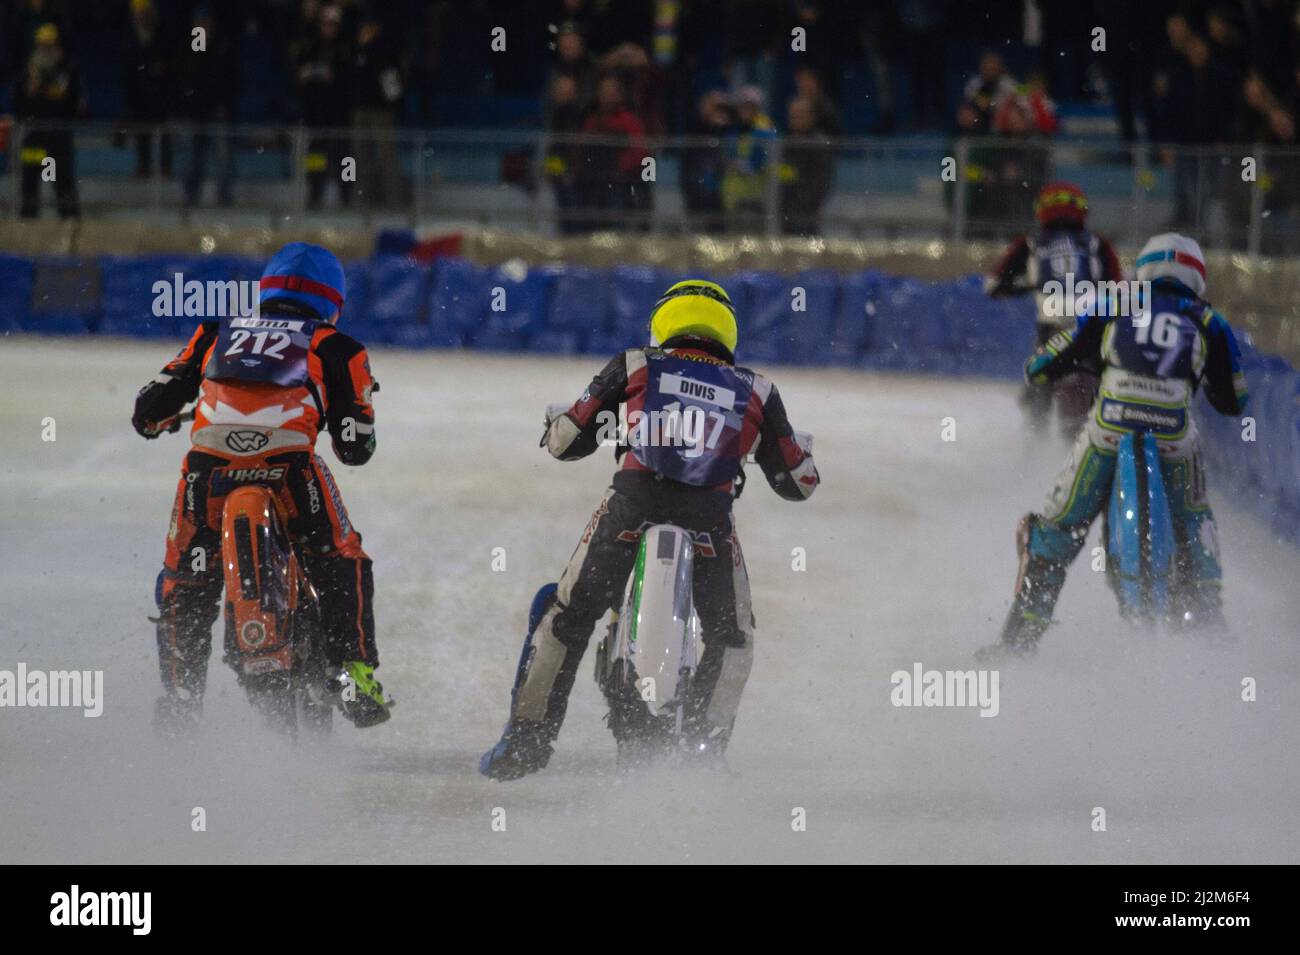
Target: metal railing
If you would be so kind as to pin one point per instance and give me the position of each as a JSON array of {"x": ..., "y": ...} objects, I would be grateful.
[{"x": 1237, "y": 197}]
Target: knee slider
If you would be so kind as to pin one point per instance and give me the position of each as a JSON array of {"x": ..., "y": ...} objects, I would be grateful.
[{"x": 570, "y": 630}]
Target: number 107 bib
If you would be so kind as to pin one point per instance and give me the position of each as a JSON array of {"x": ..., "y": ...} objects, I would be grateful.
[{"x": 689, "y": 427}]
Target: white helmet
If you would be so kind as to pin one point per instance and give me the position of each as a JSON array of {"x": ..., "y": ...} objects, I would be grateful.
[{"x": 1173, "y": 256}]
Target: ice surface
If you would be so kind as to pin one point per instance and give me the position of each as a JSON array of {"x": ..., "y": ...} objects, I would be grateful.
[{"x": 910, "y": 557}]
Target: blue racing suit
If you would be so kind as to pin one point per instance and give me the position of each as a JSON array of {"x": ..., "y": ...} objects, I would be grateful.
[{"x": 1151, "y": 365}]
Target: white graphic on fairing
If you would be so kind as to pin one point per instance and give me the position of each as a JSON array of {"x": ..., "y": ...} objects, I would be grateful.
[{"x": 261, "y": 418}]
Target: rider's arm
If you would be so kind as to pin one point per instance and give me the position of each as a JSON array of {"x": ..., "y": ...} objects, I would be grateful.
[
  {"x": 176, "y": 385},
  {"x": 1004, "y": 277},
  {"x": 788, "y": 468},
  {"x": 347, "y": 385},
  {"x": 577, "y": 433},
  {"x": 1225, "y": 382},
  {"x": 1066, "y": 350}
]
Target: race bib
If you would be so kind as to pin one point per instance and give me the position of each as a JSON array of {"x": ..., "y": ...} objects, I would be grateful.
[
  {"x": 269, "y": 350},
  {"x": 689, "y": 426}
]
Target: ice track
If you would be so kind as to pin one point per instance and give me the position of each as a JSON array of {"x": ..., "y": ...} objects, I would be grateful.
[{"x": 910, "y": 557}]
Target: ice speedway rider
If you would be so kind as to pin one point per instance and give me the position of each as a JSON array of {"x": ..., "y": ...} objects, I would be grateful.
[
  {"x": 263, "y": 417},
  {"x": 693, "y": 327},
  {"x": 1151, "y": 365},
  {"x": 1062, "y": 247}
]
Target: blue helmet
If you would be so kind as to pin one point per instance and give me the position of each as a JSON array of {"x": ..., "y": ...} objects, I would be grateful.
[{"x": 307, "y": 275}]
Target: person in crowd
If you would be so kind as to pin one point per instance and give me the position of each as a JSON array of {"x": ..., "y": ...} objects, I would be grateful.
[
  {"x": 1026, "y": 111},
  {"x": 49, "y": 93},
  {"x": 148, "y": 80},
  {"x": 808, "y": 87},
  {"x": 610, "y": 177},
  {"x": 1202, "y": 103},
  {"x": 1265, "y": 119},
  {"x": 320, "y": 74},
  {"x": 642, "y": 82},
  {"x": 1019, "y": 169},
  {"x": 807, "y": 169},
  {"x": 983, "y": 94},
  {"x": 573, "y": 60},
  {"x": 753, "y": 40},
  {"x": 704, "y": 163},
  {"x": 563, "y": 155},
  {"x": 1223, "y": 31},
  {"x": 744, "y": 187},
  {"x": 19, "y": 22},
  {"x": 377, "y": 84},
  {"x": 207, "y": 83}
]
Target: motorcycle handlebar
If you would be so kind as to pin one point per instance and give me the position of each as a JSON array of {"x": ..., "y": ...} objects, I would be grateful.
[{"x": 173, "y": 424}]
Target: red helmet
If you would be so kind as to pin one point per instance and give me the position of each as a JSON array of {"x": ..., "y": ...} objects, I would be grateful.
[{"x": 1061, "y": 202}]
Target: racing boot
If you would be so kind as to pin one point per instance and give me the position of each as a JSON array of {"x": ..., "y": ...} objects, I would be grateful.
[
  {"x": 525, "y": 747},
  {"x": 1045, "y": 551},
  {"x": 360, "y": 695},
  {"x": 177, "y": 714}
]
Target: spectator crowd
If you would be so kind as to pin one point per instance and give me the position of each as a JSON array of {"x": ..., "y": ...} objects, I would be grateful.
[{"x": 756, "y": 90}]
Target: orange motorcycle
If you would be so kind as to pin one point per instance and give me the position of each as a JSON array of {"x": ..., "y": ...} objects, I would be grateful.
[{"x": 272, "y": 613}]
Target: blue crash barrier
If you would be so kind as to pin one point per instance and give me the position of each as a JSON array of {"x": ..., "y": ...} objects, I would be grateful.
[
  {"x": 1258, "y": 453},
  {"x": 634, "y": 290},
  {"x": 16, "y": 277},
  {"x": 65, "y": 297},
  {"x": 866, "y": 319}
]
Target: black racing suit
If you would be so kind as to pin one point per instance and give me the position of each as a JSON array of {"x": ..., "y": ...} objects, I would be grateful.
[{"x": 640, "y": 496}]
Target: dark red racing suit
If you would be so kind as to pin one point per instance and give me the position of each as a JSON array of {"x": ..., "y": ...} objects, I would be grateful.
[
  {"x": 691, "y": 484},
  {"x": 261, "y": 406},
  {"x": 1027, "y": 265}
]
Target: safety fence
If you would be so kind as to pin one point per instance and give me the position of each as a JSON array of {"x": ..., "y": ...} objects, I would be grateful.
[
  {"x": 864, "y": 319},
  {"x": 1244, "y": 197}
]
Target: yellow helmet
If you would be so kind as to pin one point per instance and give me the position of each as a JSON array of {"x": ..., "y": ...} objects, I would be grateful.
[{"x": 695, "y": 307}]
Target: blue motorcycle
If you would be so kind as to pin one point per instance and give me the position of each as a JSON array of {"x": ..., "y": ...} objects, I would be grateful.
[{"x": 1139, "y": 532}]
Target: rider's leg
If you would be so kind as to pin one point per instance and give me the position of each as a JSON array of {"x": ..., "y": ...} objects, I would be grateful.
[
  {"x": 722, "y": 601},
  {"x": 188, "y": 597},
  {"x": 341, "y": 573},
  {"x": 1048, "y": 542},
  {"x": 1073, "y": 396},
  {"x": 1197, "y": 599},
  {"x": 590, "y": 585},
  {"x": 1036, "y": 400}
]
